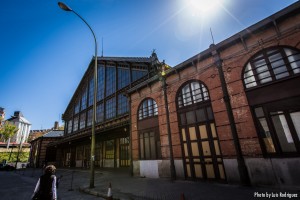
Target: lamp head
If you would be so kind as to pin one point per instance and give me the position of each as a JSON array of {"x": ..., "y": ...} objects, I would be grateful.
[{"x": 64, "y": 6}]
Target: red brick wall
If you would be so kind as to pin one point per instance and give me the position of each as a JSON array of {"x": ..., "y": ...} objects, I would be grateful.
[{"x": 234, "y": 59}]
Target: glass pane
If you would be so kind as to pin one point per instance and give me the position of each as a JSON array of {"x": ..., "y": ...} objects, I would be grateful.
[
  {"x": 188, "y": 170},
  {"x": 195, "y": 150},
  {"x": 296, "y": 121},
  {"x": 147, "y": 146},
  {"x": 155, "y": 108},
  {"x": 158, "y": 150},
  {"x": 100, "y": 82},
  {"x": 205, "y": 93},
  {"x": 182, "y": 119},
  {"x": 110, "y": 80},
  {"x": 259, "y": 112},
  {"x": 217, "y": 148},
  {"x": 198, "y": 171},
  {"x": 278, "y": 66},
  {"x": 186, "y": 153},
  {"x": 206, "y": 148},
  {"x": 221, "y": 170},
  {"x": 249, "y": 78},
  {"x": 203, "y": 132},
  {"x": 183, "y": 134},
  {"x": 192, "y": 132},
  {"x": 210, "y": 113},
  {"x": 283, "y": 133},
  {"x": 109, "y": 149},
  {"x": 294, "y": 59},
  {"x": 123, "y": 76},
  {"x": 265, "y": 77},
  {"x": 152, "y": 145},
  {"x": 210, "y": 171},
  {"x": 91, "y": 92},
  {"x": 197, "y": 96},
  {"x": 200, "y": 115},
  {"x": 262, "y": 71},
  {"x": 150, "y": 107},
  {"x": 180, "y": 101},
  {"x": 186, "y": 95},
  {"x": 213, "y": 130},
  {"x": 264, "y": 129},
  {"x": 190, "y": 117}
]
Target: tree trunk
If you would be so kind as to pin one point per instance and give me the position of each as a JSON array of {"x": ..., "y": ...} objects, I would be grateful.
[{"x": 8, "y": 141}]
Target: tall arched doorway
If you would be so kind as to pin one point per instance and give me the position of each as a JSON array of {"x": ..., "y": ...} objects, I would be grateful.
[{"x": 199, "y": 139}]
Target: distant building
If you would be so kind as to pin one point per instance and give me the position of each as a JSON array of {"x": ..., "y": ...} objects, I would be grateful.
[
  {"x": 39, "y": 153},
  {"x": 37, "y": 133},
  {"x": 40, "y": 132},
  {"x": 2, "y": 115},
  {"x": 23, "y": 126}
]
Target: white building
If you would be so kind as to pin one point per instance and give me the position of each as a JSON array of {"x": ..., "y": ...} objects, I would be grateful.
[{"x": 23, "y": 126}]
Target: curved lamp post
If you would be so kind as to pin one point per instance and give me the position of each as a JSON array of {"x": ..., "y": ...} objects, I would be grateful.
[{"x": 92, "y": 165}]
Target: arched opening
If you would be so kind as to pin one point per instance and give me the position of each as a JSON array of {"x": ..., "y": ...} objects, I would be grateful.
[
  {"x": 271, "y": 80},
  {"x": 199, "y": 139}
]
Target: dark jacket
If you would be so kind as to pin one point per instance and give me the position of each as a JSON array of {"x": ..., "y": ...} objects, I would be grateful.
[{"x": 45, "y": 189}]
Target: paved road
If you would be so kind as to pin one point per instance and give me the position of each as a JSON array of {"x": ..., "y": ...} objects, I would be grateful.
[{"x": 20, "y": 185}]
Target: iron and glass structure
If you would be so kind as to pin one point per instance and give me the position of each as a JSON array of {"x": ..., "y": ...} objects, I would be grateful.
[{"x": 115, "y": 76}]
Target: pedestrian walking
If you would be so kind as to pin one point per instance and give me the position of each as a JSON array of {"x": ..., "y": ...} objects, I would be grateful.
[{"x": 45, "y": 188}]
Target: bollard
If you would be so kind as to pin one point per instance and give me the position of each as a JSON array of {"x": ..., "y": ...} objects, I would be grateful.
[
  {"x": 71, "y": 189},
  {"x": 109, "y": 193}
]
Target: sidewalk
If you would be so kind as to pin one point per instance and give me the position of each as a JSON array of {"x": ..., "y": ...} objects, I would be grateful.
[{"x": 126, "y": 187}]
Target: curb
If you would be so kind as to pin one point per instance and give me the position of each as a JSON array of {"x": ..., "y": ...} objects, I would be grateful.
[
  {"x": 92, "y": 192},
  {"x": 99, "y": 194}
]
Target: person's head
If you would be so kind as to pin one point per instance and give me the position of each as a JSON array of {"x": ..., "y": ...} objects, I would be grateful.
[{"x": 50, "y": 169}]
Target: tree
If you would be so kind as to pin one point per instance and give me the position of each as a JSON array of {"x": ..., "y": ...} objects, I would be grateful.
[{"x": 7, "y": 131}]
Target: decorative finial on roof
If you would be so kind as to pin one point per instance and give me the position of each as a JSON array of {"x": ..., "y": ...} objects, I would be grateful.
[{"x": 153, "y": 53}]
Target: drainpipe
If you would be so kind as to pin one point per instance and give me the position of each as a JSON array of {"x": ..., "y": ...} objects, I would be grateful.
[
  {"x": 130, "y": 133},
  {"x": 172, "y": 164},
  {"x": 243, "y": 172}
]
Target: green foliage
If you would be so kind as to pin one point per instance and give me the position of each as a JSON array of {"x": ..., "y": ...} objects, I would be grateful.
[
  {"x": 8, "y": 130},
  {"x": 23, "y": 156}
]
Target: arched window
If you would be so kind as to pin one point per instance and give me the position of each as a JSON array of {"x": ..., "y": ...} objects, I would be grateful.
[
  {"x": 201, "y": 153},
  {"x": 148, "y": 108},
  {"x": 276, "y": 106},
  {"x": 192, "y": 93},
  {"x": 270, "y": 65},
  {"x": 148, "y": 128}
]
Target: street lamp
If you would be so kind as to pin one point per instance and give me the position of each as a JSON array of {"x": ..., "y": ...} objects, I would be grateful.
[{"x": 92, "y": 165}]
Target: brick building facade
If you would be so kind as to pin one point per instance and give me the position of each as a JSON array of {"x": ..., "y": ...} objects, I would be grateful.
[{"x": 233, "y": 110}]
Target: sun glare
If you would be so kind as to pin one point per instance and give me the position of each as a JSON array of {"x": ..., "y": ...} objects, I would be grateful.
[{"x": 201, "y": 7}]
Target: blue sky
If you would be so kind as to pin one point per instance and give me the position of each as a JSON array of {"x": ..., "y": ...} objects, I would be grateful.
[{"x": 45, "y": 50}]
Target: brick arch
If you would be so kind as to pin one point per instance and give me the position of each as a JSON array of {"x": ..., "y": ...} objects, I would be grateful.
[{"x": 179, "y": 90}]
